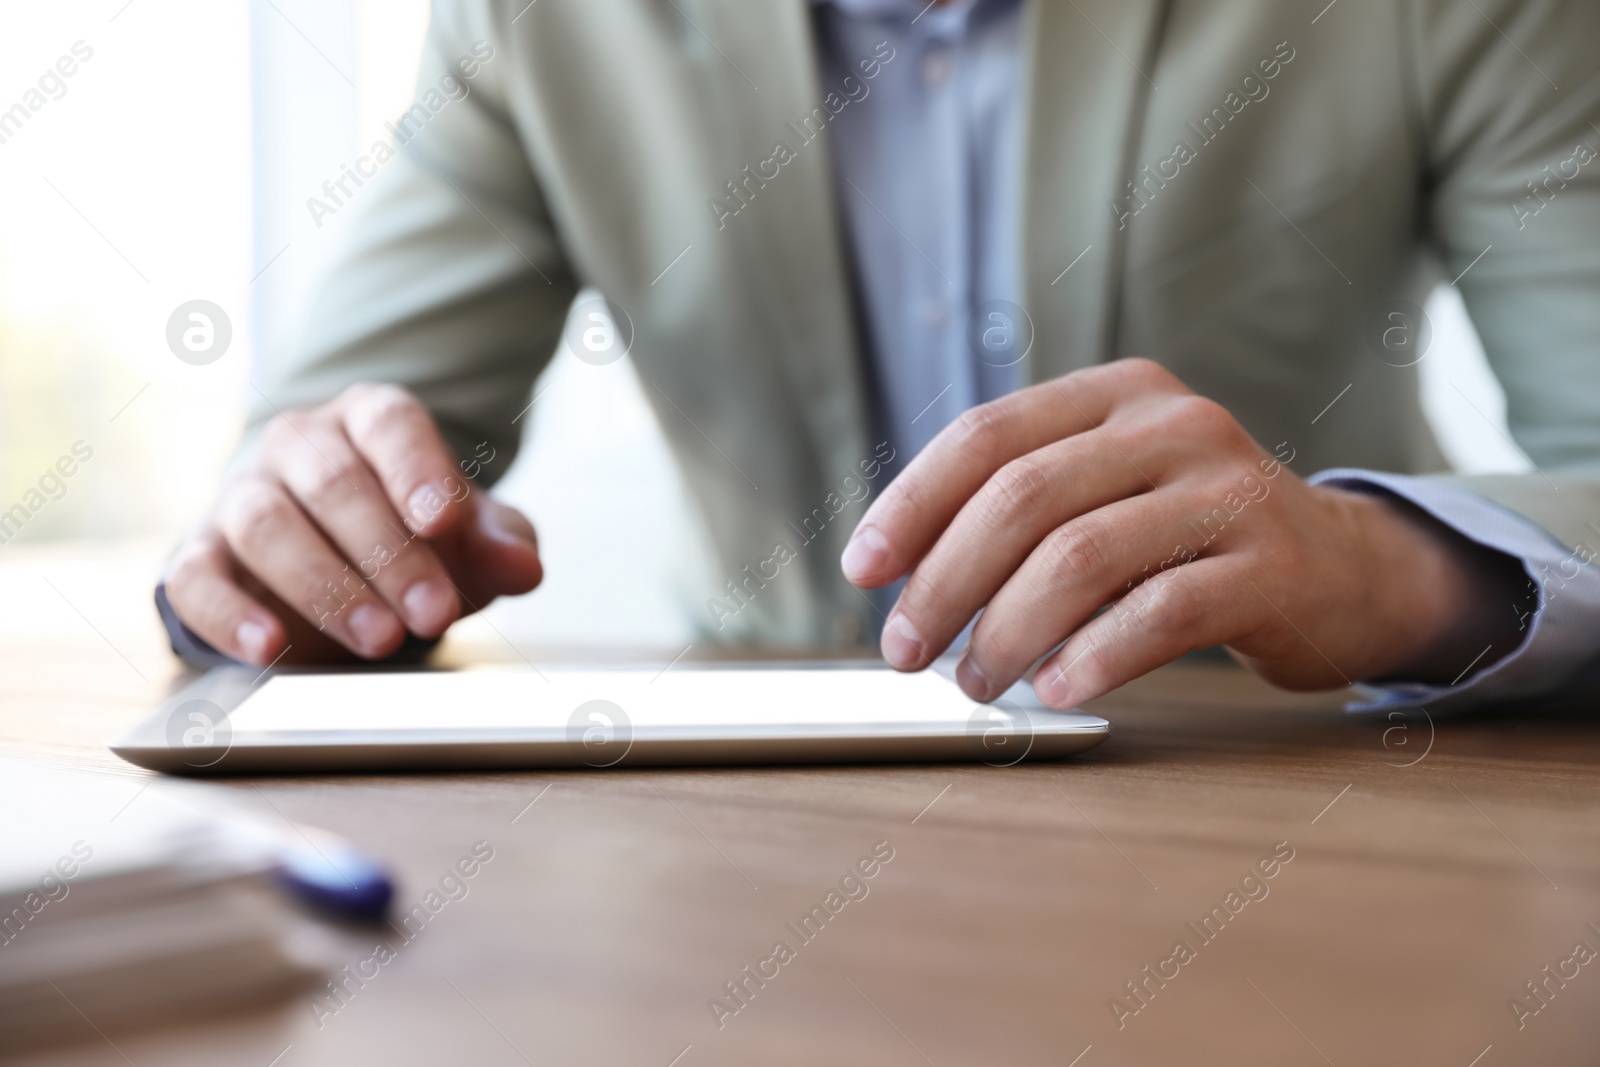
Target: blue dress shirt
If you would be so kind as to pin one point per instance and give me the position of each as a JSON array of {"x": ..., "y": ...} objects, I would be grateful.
[{"x": 928, "y": 174}]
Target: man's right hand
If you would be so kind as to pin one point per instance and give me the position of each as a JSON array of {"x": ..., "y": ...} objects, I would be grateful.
[{"x": 353, "y": 526}]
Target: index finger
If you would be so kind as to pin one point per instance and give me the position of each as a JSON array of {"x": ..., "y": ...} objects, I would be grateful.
[
  {"x": 905, "y": 521},
  {"x": 397, "y": 437}
]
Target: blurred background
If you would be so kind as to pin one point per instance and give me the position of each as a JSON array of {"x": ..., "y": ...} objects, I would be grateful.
[{"x": 175, "y": 165}]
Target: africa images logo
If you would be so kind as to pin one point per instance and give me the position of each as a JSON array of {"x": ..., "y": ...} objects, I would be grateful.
[
  {"x": 1000, "y": 733},
  {"x": 199, "y": 732},
  {"x": 599, "y": 733},
  {"x": 199, "y": 332}
]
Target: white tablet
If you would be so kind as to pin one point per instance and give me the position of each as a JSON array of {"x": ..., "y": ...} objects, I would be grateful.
[{"x": 235, "y": 721}]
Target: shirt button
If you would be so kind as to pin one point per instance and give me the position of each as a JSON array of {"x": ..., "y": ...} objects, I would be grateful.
[{"x": 936, "y": 68}]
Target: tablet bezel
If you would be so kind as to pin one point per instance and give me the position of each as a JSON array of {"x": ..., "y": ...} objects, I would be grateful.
[{"x": 1052, "y": 735}]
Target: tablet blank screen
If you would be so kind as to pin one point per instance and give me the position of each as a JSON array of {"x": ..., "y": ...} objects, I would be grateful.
[{"x": 519, "y": 698}]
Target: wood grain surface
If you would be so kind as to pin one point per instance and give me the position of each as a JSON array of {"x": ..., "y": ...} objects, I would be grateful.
[{"x": 1436, "y": 868}]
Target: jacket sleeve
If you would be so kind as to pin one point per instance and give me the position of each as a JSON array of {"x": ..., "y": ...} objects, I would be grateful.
[
  {"x": 453, "y": 283},
  {"x": 1509, "y": 100},
  {"x": 1506, "y": 97}
]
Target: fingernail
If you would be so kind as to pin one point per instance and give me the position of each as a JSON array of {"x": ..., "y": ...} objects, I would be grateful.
[
  {"x": 251, "y": 637},
  {"x": 1052, "y": 687},
  {"x": 430, "y": 606},
  {"x": 971, "y": 679},
  {"x": 373, "y": 628},
  {"x": 865, "y": 555},
  {"x": 902, "y": 645},
  {"x": 424, "y": 505}
]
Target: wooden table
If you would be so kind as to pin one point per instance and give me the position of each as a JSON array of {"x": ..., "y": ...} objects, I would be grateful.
[{"x": 1427, "y": 885}]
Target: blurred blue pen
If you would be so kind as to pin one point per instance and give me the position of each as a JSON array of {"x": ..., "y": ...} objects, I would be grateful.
[{"x": 328, "y": 874}]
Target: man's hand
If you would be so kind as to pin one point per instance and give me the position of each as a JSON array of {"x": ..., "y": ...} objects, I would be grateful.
[
  {"x": 352, "y": 527},
  {"x": 1118, "y": 486}
]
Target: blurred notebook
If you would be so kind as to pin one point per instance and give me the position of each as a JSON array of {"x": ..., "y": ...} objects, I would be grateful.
[{"x": 123, "y": 901}]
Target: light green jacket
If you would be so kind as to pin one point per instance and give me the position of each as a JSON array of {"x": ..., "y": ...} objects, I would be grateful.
[{"x": 1395, "y": 148}]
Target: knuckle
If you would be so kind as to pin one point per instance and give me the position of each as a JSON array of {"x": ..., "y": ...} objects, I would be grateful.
[
  {"x": 360, "y": 392},
  {"x": 903, "y": 501},
  {"x": 1244, "y": 480},
  {"x": 1140, "y": 376},
  {"x": 1021, "y": 487},
  {"x": 391, "y": 564},
  {"x": 1170, "y": 605},
  {"x": 1202, "y": 416},
  {"x": 1282, "y": 556},
  {"x": 1092, "y": 663},
  {"x": 981, "y": 430},
  {"x": 284, "y": 434},
  {"x": 325, "y": 482},
  {"x": 256, "y": 514},
  {"x": 380, "y": 402},
  {"x": 1076, "y": 550},
  {"x": 1142, "y": 369},
  {"x": 277, "y": 430},
  {"x": 189, "y": 567},
  {"x": 922, "y": 598}
]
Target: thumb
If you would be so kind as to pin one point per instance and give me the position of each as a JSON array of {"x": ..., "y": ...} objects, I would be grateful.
[{"x": 492, "y": 552}]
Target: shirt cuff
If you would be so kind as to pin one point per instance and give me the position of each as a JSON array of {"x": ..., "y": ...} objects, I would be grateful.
[{"x": 1560, "y": 636}]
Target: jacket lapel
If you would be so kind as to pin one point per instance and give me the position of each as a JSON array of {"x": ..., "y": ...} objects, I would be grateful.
[
  {"x": 1089, "y": 75},
  {"x": 1089, "y": 69},
  {"x": 790, "y": 247}
]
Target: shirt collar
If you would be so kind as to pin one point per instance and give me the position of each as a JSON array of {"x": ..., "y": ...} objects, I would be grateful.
[{"x": 946, "y": 20}]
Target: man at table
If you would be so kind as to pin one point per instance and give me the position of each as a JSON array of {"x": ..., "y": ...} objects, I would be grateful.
[{"x": 847, "y": 241}]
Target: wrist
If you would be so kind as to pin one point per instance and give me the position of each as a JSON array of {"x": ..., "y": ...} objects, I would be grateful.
[{"x": 1440, "y": 603}]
